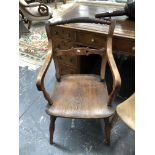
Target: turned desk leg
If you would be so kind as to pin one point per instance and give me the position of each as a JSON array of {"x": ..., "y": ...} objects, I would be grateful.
[
  {"x": 51, "y": 128},
  {"x": 107, "y": 130}
]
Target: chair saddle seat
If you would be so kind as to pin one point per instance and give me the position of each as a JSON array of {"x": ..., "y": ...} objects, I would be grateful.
[{"x": 80, "y": 96}]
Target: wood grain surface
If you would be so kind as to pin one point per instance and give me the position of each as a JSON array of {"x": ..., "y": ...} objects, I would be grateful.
[{"x": 126, "y": 111}]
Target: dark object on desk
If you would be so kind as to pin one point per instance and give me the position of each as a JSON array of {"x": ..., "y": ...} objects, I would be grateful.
[
  {"x": 128, "y": 10},
  {"x": 81, "y": 96},
  {"x": 80, "y": 20}
]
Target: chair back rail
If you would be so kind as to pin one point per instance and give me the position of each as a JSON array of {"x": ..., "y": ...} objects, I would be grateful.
[{"x": 78, "y": 51}]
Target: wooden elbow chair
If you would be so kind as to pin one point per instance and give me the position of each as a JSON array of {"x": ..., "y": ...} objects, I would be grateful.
[
  {"x": 34, "y": 11},
  {"x": 83, "y": 96},
  {"x": 126, "y": 111}
]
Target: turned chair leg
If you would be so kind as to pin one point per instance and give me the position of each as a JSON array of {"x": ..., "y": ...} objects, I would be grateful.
[
  {"x": 107, "y": 130},
  {"x": 29, "y": 24},
  {"x": 51, "y": 128}
]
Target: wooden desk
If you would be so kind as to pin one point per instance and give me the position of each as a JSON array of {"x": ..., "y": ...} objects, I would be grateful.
[{"x": 91, "y": 35}]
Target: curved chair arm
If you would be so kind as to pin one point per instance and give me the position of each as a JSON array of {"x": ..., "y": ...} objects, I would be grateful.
[
  {"x": 33, "y": 4},
  {"x": 42, "y": 8},
  {"x": 42, "y": 73},
  {"x": 114, "y": 71}
]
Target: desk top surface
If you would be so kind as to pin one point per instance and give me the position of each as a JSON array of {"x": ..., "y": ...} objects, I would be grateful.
[{"x": 124, "y": 27}]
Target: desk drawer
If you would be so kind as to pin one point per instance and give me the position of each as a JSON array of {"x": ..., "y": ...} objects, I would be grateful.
[
  {"x": 61, "y": 43},
  {"x": 62, "y": 33},
  {"x": 90, "y": 39}
]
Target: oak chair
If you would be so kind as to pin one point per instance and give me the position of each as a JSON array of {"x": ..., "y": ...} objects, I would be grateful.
[
  {"x": 34, "y": 12},
  {"x": 83, "y": 96},
  {"x": 126, "y": 111}
]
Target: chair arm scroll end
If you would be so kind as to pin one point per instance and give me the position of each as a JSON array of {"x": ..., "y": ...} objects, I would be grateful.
[{"x": 43, "y": 9}]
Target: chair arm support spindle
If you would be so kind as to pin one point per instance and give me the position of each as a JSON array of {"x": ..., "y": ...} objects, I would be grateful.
[
  {"x": 42, "y": 73},
  {"x": 80, "y": 20},
  {"x": 114, "y": 71}
]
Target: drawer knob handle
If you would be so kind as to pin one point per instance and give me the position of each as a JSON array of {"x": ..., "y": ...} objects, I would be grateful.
[{"x": 92, "y": 40}]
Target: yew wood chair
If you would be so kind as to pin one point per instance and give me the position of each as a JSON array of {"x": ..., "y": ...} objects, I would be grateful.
[
  {"x": 35, "y": 11},
  {"x": 81, "y": 96},
  {"x": 126, "y": 111}
]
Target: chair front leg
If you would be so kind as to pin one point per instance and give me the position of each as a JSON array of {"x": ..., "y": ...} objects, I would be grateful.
[
  {"x": 29, "y": 24},
  {"x": 107, "y": 130},
  {"x": 51, "y": 128}
]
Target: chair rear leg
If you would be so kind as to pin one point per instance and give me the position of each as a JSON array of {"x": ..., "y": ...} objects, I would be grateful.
[
  {"x": 114, "y": 119},
  {"x": 107, "y": 130},
  {"x": 51, "y": 128}
]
